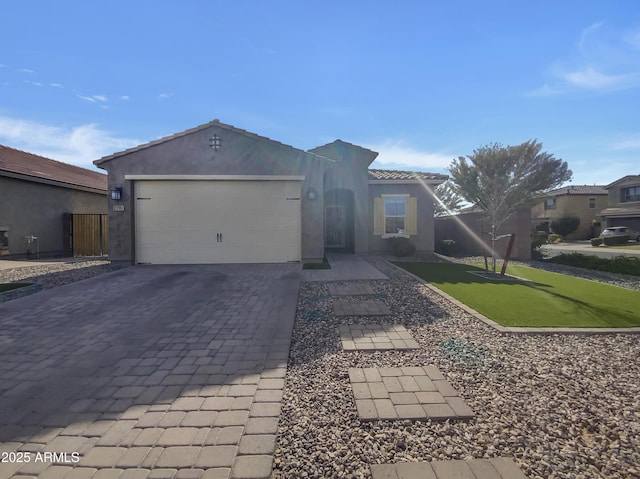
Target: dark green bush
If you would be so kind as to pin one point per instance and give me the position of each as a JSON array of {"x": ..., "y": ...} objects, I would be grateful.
[
  {"x": 615, "y": 240},
  {"x": 447, "y": 247},
  {"x": 538, "y": 238},
  {"x": 401, "y": 246},
  {"x": 619, "y": 264},
  {"x": 565, "y": 225},
  {"x": 596, "y": 241}
]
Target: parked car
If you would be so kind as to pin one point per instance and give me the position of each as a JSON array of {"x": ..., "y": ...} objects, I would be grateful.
[{"x": 620, "y": 231}]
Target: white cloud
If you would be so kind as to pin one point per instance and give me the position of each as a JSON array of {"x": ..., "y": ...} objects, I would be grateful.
[
  {"x": 34, "y": 83},
  {"x": 164, "y": 96},
  {"x": 591, "y": 79},
  {"x": 27, "y": 70},
  {"x": 93, "y": 98},
  {"x": 56, "y": 85},
  {"x": 77, "y": 145},
  {"x": 394, "y": 154},
  {"x": 124, "y": 97},
  {"x": 603, "y": 60},
  {"x": 631, "y": 142}
]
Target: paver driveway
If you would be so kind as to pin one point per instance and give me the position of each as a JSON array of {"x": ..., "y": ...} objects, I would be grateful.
[{"x": 151, "y": 371}]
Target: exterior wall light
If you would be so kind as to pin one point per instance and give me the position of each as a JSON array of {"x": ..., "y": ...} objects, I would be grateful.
[
  {"x": 116, "y": 194},
  {"x": 215, "y": 142},
  {"x": 311, "y": 194}
]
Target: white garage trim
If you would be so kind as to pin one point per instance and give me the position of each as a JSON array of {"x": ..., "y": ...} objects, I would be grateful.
[{"x": 215, "y": 177}]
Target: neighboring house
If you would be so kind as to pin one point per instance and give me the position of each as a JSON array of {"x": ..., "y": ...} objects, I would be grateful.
[
  {"x": 623, "y": 207},
  {"x": 35, "y": 192},
  {"x": 470, "y": 230},
  {"x": 219, "y": 194},
  {"x": 583, "y": 201}
]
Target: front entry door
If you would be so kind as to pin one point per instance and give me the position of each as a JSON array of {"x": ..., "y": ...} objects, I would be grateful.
[{"x": 334, "y": 227}]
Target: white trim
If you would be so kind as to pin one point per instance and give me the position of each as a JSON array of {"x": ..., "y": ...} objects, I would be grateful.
[
  {"x": 405, "y": 182},
  {"x": 394, "y": 235},
  {"x": 216, "y": 177},
  {"x": 399, "y": 195}
]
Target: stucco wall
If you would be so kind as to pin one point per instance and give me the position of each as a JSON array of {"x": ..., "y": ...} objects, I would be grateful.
[
  {"x": 36, "y": 209},
  {"x": 449, "y": 227},
  {"x": 573, "y": 205},
  {"x": 424, "y": 240},
  {"x": 350, "y": 172},
  {"x": 239, "y": 154}
]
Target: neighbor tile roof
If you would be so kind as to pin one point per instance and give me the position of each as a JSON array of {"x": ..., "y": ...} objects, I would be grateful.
[
  {"x": 41, "y": 168},
  {"x": 578, "y": 190},
  {"x": 404, "y": 175}
]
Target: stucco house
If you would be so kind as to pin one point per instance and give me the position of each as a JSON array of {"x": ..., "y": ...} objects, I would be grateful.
[
  {"x": 35, "y": 193},
  {"x": 220, "y": 194},
  {"x": 623, "y": 206},
  {"x": 583, "y": 201}
]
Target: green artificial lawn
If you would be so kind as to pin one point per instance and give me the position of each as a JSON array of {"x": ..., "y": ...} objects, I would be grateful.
[
  {"x": 9, "y": 286},
  {"x": 549, "y": 300}
]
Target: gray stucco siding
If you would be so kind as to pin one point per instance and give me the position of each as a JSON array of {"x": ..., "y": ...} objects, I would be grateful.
[
  {"x": 424, "y": 239},
  {"x": 239, "y": 154},
  {"x": 36, "y": 209}
]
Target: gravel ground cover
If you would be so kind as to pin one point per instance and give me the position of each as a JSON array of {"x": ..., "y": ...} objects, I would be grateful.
[
  {"x": 563, "y": 406},
  {"x": 56, "y": 274}
]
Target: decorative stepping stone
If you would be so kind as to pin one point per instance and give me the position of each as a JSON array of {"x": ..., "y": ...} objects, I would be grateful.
[
  {"x": 353, "y": 289},
  {"x": 413, "y": 393},
  {"x": 376, "y": 337},
  {"x": 362, "y": 307},
  {"x": 494, "y": 468}
]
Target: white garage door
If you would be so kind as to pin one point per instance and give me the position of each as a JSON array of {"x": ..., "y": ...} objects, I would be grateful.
[{"x": 217, "y": 221}]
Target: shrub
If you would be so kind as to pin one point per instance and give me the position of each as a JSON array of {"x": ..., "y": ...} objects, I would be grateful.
[
  {"x": 555, "y": 238},
  {"x": 596, "y": 241},
  {"x": 619, "y": 264},
  {"x": 565, "y": 225},
  {"x": 447, "y": 247},
  {"x": 401, "y": 246},
  {"x": 615, "y": 240},
  {"x": 538, "y": 238}
]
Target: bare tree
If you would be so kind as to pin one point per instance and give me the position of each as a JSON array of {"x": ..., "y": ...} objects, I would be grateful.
[
  {"x": 448, "y": 201},
  {"x": 499, "y": 179}
]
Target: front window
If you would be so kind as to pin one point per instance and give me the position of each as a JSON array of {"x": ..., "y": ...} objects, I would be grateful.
[
  {"x": 394, "y": 215},
  {"x": 592, "y": 203},
  {"x": 630, "y": 194},
  {"x": 550, "y": 203}
]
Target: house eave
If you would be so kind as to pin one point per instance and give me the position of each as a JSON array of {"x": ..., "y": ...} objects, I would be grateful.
[{"x": 45, "y": 181}]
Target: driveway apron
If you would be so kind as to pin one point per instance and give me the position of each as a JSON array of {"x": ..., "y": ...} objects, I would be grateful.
[{"x": 151, "y": 371}]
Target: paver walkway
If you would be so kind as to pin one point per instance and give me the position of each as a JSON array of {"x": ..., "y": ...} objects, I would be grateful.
[
  {"x": 494, "y": 468},
  {"x": 414, "y": 393},
  {"x": 360, "y": 307},
  {"x": 375, "y": 337},
  {"x": 148, "y": 372},
  {"x": 344, "y": 267},
  {"x": 351, "y": 289}
]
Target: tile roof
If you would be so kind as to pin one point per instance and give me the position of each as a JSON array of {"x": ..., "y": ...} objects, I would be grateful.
[
  {"x": 578, "y": 190},
  {"x": 405, "y": 175},
  {"x": 213, "y": 123},
  {"x": 41, "y": 168}
]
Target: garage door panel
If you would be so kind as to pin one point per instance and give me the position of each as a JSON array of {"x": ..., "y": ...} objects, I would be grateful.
[{"x": 178, "y": 222}]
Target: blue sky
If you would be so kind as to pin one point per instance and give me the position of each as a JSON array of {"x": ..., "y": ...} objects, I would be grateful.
[{"x": 421, "y": 82}]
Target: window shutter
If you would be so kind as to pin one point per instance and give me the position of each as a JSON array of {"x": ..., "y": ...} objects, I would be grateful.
[
  {"x": 411, "y": 218},
  {"x": 378, "y": 216}
]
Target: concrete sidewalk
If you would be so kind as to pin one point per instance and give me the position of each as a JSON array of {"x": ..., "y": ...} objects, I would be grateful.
[{"x": 344, "y": 267}]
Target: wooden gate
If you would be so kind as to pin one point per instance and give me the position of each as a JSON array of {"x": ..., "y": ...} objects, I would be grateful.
[{"x": 86, "y": 234}]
